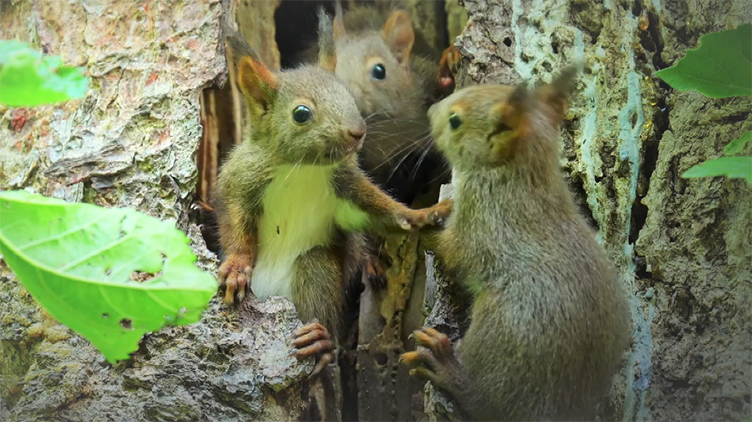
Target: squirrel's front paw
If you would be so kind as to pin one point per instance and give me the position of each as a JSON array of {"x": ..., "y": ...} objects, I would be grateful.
[
  {"x": 235, "y": 275},
  {"x": 412, "y": 220},
  {"x": 434, "y": 360},
  {"x": 313, "y": 339},
  {"x": 439, "y": 212},
  {"x": 448, "y": 66},
  {"x": 432, "y": 216}
]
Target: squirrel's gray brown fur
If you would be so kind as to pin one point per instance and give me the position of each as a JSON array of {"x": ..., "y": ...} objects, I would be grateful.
[
  {"x": 291, "y": 200},
  {"x": 393, "y": 87},
  {"x": 374, "y": 55},
  {"x": 549, "y": 320}
]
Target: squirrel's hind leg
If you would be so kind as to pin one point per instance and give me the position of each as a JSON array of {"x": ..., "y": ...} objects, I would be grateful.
[
  {"x": 318, "y": 296},
  {"x": 435, "y": 361},
  {"x": 376, "y": 260}
]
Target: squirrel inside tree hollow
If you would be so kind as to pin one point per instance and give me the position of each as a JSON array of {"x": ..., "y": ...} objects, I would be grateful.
[
  {"x": 550, "y": 320},
  {"x": 393, "y": 76},
  {"x": 291, "y": 200},
  {"x": 393, "y": 87}
]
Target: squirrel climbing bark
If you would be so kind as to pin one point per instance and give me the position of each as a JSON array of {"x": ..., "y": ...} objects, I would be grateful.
[{"x": 550, "y": 319}]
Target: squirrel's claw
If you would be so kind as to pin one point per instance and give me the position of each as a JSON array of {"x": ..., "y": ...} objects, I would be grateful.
[
  {"x": 313, "y": 339},
  {"x": 425, "y": 374},
  {"x": 202, "y": 206},
  {"x": 448, "y": 67},
  {"x": 235, "y": 274},
  {"x": 236, "y": 281},
  {"x": 423, "y": 363},
  {"x": 405, "y": 223},
  {"x": 434, "y": 348},
  {"x": 437, "y": 342},
  {"x": 311, "y": 326},
  {"x": 433, "y": 216},
  {"x": 437, "y": 214},
  {"x": 324, "y": 360},
  {"x": 434, "y": 360},
  {"x": 375, "y": 272}
]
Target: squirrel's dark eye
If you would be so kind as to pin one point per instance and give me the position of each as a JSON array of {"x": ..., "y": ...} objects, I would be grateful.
[
  {"x": 301, "y": 114},
  {"x": 378, "y": 72},
  {"x": 454, "y": 121}
]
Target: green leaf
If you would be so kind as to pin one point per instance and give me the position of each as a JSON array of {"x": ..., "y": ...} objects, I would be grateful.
[
  {"x": 720, "y": 67},
  {"x": 77, "y": 260},
  {"x": 28, "y": 78},
  {"x": 735, "y": 146},
  {"x": 734, "y": 167}
]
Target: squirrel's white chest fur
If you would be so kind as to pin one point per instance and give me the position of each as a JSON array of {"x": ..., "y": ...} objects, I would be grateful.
[{"x": 300, "y": 211}]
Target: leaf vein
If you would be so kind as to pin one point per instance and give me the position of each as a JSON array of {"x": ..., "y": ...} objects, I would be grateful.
[
  {"x": 61, "y": 235},
  {"x": 83, "y": 259}
]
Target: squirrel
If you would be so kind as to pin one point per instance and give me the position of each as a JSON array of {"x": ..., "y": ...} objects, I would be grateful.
[
  {"x": 412, "y": 172},
  {"x": 549, "y": 320},
  {"x": 291, "y": 200},
  {"x": 393, "y": 88}
]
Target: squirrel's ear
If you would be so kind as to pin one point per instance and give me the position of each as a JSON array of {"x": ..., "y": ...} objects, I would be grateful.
[
  {"x": 514, "y": 111},
  {"x": 399, "y": 36},
  {"x": 327, "y": 50},
  {"x": 519, "y": 99},
  {"x": 556, "y": 94},
  {"x": 257, "y": 83},
  {"x": 338, "y": 25}
]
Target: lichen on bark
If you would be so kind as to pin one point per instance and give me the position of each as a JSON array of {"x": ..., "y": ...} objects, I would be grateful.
[{"x": 682, "y": 246}]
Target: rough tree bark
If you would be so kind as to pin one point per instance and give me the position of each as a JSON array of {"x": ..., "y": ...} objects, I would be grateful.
[{"x": 131, "y": 142}]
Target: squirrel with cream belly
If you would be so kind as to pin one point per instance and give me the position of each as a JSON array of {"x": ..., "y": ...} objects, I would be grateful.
[
  {"x": 291, "y": 200},
  {"x": 549, "y": 320}
]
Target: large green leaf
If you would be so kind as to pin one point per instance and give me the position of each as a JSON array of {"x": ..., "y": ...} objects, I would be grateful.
[
  {"x": 735, "y": 146},
  {"x": 80, "y": 261},
  {"x": 720, "y": 67},
  {"x": 28, "y": 78},
  {"x": 734, "y": 167}
]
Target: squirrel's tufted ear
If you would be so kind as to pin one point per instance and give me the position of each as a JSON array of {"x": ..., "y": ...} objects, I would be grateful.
[
  {"x": 327, "y": 49},
  {"x": 338, "y": 25},
  {"x": 556, "y": 94},
  {"x": 513, "y": 113},
  {"x": 255, "y": 80},
  {"x": 399, "y": 36},
  {"x": 258, "y": 84},
  {"x": 518, "y": 102}
]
